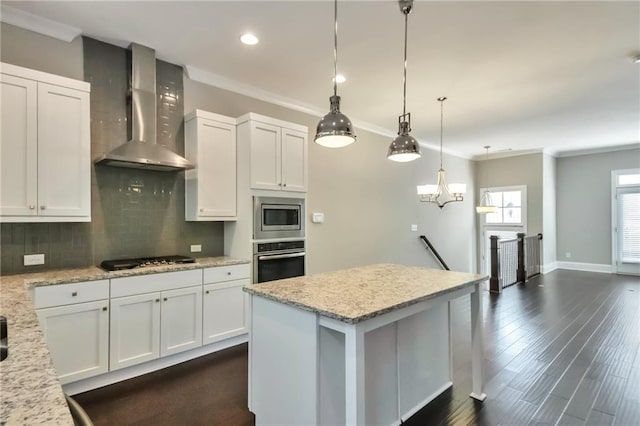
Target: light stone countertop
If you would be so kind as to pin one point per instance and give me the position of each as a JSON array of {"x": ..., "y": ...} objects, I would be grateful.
[
  {"x": 357, "y": 294},
  {"x": 30, "y": 392}
]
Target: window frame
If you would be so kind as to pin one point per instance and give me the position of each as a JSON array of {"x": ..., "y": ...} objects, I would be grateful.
[{"x": 523, "y": 205}]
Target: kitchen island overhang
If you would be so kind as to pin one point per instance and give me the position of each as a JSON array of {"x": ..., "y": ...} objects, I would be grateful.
[{"x": 351, "y": 347}]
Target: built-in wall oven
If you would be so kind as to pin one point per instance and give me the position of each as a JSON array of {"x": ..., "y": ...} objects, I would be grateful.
[
  {"x": 278, "y": 260},
  {"x": 278, "y": 218}
]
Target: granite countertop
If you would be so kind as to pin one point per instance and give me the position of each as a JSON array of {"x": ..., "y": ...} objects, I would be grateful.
[
  {"x": 358, "y": 294},
  {"x": 30, "y": 392}
]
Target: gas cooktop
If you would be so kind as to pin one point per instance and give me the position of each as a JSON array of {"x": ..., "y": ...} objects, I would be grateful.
[{"x": 144, "y": 262}]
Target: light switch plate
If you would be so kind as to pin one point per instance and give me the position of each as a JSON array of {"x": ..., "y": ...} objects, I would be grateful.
[
  {"x": 317, "y": 218},
  {"x": 196, "y": 248},
  {"x": 33, "y": 259},
  {"x": 414, "y": 228}
]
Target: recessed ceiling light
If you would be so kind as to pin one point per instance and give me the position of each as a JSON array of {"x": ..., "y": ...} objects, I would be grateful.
[
  {"x": 340, "y": 78},
  {"x": 249, "y": 39},
  {"x": 636, "y": 59}
]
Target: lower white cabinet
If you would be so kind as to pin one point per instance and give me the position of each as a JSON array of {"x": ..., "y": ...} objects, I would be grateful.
[
  {"x": 151, "y": 325},
  {"x": 181, "y": 320},
  {"x": 78, "y": 338},
  {"x": 135, "y": 330},
  {"x": 225, "y": 310}
]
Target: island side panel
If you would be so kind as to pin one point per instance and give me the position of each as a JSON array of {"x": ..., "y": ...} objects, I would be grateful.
[
  {"x": 424, "y": 369},
  {"x": 477, "y": 347},
  {"x": 283, "y": 367}
]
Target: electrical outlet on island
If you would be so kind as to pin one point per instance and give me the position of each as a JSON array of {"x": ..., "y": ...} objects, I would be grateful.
[{"x": 196, "y": 248}]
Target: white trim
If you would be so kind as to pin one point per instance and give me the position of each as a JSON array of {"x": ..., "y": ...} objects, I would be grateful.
[
  {"x": 150, "y": 366},
  {"x": 38, "y": 24},
  {"x": 549, "y": 267},
  {"x": 252, "y": 116},
  {"x": 420, "y": 405},
  {"x": 44, "y": 77},
  {"x": 588, "y": 151},
  {"x": 586, "y": 267},
  {"x": 216, "y": 80}
]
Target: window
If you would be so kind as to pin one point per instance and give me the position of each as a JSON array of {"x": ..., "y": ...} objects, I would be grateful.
[
  {"x": 511, "y": 203},
  {"x": 629, "y": 179}
]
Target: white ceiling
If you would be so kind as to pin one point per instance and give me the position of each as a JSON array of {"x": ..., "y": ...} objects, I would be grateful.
[{"x": 519, "y": 75}]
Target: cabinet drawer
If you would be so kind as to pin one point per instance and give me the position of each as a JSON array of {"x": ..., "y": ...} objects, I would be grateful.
[
  {"x": 226, "y": 273},
  {"x": 139, "y": 284},
  {"x": 68, "y": 294}
]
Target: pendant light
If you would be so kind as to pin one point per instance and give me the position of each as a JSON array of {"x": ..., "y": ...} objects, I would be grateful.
[
  {"x": 404, "y": 147},
  {"x": 335, "y": 129},
  {"x": 432, "y": 193},
  {"x": 486, "y": 204}
]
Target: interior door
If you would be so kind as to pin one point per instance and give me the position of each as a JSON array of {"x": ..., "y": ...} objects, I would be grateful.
[{"x": 627, "y": 250}]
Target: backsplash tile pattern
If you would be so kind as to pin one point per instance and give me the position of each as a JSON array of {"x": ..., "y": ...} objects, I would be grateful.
[{"x": 134, "y": 213}]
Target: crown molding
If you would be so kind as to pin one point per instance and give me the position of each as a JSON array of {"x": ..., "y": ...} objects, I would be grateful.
[
  {"x": 599, "y": 150},
  {"x": 37, "y": 24},
  {"x": 216, "y": 80}
]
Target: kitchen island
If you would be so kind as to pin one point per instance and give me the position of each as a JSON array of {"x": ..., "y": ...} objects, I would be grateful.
[{"x": 368, "y": 345}]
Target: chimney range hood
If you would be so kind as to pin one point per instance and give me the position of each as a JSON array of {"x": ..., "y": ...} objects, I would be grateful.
[{"x": 142, "y": 151}]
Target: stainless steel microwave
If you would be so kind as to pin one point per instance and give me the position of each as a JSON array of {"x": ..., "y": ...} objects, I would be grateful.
[{"x": 278, "y": 218}]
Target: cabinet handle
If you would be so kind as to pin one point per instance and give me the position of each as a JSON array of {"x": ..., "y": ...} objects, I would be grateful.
[
  {"x": 228, "y": 273},
  {"x": 201, "y": 210},
  {"x": 32, "y": 207},
  {"x": 284, "y": 184},
  {"x": 206, "y": 292},
  {"x": 42, "y": 207},
  {"x": 74, "y": 294},
  {"x": 157, "y": 300},
  {"x": 104, "y": 308},
  {"x": 165, "y": 299}
]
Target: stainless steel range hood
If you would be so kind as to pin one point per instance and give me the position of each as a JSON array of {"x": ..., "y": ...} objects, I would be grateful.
[{"x": 142, "y": 151}]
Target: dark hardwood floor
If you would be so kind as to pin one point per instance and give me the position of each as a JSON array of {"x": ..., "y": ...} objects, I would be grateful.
[{"x": 562, "y": 349}]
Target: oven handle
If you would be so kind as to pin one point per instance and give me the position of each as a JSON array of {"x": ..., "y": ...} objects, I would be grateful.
[{"x": 281, "y": 256}]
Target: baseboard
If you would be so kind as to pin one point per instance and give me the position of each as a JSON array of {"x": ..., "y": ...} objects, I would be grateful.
[
  {"x": 422, "y": 404},
  {"x": 586, "y": 267},
  {"x": 549, "y": 267},
  {"x": 150, "y": 366}
]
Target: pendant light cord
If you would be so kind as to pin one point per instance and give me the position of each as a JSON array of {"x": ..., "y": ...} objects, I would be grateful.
[
  {"x": 441, "y": 127},
  {"x": 404, "y": 79},
  {"x": 335, "y": 48}
]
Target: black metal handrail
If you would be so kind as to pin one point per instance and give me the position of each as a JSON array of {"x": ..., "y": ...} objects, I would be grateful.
[{"x": 434, "y": 252}]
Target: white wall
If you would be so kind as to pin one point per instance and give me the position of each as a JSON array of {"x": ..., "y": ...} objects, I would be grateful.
[
  {"x": 369, "y": 202},
  {"x": 584, "y": 204}
]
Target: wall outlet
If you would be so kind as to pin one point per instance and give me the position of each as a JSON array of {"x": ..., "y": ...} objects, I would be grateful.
[
  {"x": 196, "y": 248},
  {"x": 317, "y": 218},
  {"x": 414, "y": 228},
  {"x": 33, "y": 259},
  {"x": 568, "y": 255}
]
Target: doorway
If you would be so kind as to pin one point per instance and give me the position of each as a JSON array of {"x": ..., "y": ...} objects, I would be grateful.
[{"x": 625, "y": 216}]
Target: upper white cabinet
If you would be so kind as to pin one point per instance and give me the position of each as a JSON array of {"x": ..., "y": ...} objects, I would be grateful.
[
  {"x": 211, "y": 187},
  {"x": 45, "y": 147},
  {"x": 278, "y": 152}
]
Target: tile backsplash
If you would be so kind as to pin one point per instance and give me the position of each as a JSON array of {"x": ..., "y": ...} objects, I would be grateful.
[{"x": 134, "y": 212}]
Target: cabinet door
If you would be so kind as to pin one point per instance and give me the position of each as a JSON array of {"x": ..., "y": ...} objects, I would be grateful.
[
  {"x": 216, "y": 169},
  {"x": 265, "y": 156},
  {"x": 181, "y": 322},
  {"x": 135, "y": 330},
  {"x": 78, "y": 338},
  {"x": 19, "y": 146},
  {"x": 294, "y": 160},
  {"x": 64, "y": 150},
  {"x": 225, "y": 310}
]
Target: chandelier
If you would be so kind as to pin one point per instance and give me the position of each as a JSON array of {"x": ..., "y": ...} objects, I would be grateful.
[{"x": 449, "y": 193}]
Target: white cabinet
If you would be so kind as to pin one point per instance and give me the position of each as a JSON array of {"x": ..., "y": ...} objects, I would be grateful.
[
  {"x": 225, "y": 312},
  {"x": 181, "y": 320},
  {"x": 146, "y": 324},
  {"x": 77, "y": 334},
  {"x": 278, "y": 152},
  {"x": 135, "y": 330},
  {"x": 210, "y": 188},
  {"x": 45, "y": 147}
]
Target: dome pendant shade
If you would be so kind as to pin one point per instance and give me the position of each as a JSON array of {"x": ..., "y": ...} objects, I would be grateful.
[
  {"x": 335, "y": 129},
  {"x": 404, "y": 147}
]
